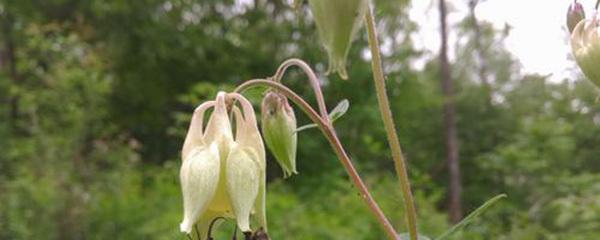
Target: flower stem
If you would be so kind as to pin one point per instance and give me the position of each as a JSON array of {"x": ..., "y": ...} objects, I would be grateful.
[
  {"x": 312, "y": 77},
  {"x": 390, "y": 129},
  {"x": 331, "y": 136}
]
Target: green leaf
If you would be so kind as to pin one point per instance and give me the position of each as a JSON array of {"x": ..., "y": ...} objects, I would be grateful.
[
  {"x": 334, "y": 115},
  {"x": 406, "y": 236},
  {"x": 339, "y": 110},
  {"x": 471, "y": 217},
  {"x": 307, "y": 126}
]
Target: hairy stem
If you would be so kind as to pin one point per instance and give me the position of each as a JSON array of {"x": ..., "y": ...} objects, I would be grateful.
[
  {"x": 312, "y": 77},
  {"x": 331, "y": 136},
  {"x": 390, "y": 129}
]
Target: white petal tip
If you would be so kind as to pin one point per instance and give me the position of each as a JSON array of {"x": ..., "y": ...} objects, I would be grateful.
[
  {"x": 244, "y": 226},
  {"x": 185, "y": 227}
]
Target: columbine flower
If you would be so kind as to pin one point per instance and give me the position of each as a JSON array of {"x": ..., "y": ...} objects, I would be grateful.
[
  {"x": 574, "y": 15},
  {"x": 222, "y": 175},
  {"x": 585, "y": 43},
  {"x": 279, "y": 129},
  {"x": 337, "y": 23}
]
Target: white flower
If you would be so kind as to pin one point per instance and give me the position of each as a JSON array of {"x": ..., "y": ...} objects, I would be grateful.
[
  {"x": 585, "y": 43},
  {"x": 222, "y": 175}
]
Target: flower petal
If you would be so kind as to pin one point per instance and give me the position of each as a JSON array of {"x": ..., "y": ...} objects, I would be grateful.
[
  {"x": 199, "y": 177},
  {"x": 194, "y": 137},
  {"x": 243, "y": 175},
  {"x": 337, "y": 22},
  {"x": 260, "y": 203},
  {"x": 218, "y": 129},
  {"x": 247, "y": 135}
]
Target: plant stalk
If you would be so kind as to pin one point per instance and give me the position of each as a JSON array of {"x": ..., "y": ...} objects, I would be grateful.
[
  {"x": 390, "y": 129},
  {"x": 331, "y": 136},
  {"x": 312, "y": 77}
]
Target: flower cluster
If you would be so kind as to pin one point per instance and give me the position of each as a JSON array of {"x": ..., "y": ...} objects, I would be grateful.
[{"x": 223, "y": 175}]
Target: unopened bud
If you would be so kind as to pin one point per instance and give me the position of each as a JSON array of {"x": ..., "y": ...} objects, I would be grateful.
[
  {"x": 574, "y": 15},
  {"x": 337, "y": 23},
  {"x": 279, "y": 131}
]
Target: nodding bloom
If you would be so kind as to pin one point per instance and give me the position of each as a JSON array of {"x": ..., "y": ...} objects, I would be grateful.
[
  {"x": 575, "y": 14},
  {"x": 279, "y": 130},
  {"x": 337, "y": 23},
  {"x": 222, "y": 175},
  {"x": 585, "y": 44}
]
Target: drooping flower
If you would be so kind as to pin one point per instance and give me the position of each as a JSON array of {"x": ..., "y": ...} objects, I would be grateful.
[
  {"x": 337, "y": 22},
  {"x": 585, "y": 43},
  {"x": 222, "y": 175},
  {"x": 575, "y": 14},
  {"x": 279, "y": 130}
]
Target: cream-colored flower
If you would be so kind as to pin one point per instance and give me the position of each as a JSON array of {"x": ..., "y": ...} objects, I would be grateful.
[
  {"x": 585, "y": 43},
  {"x": 222, "y": 175},
  {"x": 337, "y": 23}
]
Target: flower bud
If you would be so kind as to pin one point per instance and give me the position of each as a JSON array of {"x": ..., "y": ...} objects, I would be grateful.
[
  {"x": 279, "y": 131},
  {"x": 574, "y": 15},
  {"x": 337, "y": 23},
  {"x": 585, "y": 43}
]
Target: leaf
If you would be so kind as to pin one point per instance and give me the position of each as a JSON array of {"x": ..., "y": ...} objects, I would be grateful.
[
  {"x": 339, "y": 110},
  {"x": 307, "y": 126},
  {"x": 335, "y": 114},
  {"x": 471, "y": 217},
  {"x": 406, "y": 236}
]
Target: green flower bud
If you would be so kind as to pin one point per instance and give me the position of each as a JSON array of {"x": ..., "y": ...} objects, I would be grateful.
[
  {"x": 337, "y": 23},
  {"x": 585, "y": 43},
  {"x": 574, "y": 15},
  {"x": 279, "y": 131}
]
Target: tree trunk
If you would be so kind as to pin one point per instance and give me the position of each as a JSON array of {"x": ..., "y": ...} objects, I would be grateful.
[
  {"x": 455, "y": 188},
  {"x": 9, "y": 64},
  {"x": 480, "y": 52}
]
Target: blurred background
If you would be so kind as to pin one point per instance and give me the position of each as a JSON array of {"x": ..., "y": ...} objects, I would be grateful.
[{"x": 96, "y": 96}]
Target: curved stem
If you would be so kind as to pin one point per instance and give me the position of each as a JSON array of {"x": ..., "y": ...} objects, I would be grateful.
[
  {"x": 390, "y": 129},
  {"x": 312, "y": 77},
  {"x": 331, "y": 136}
]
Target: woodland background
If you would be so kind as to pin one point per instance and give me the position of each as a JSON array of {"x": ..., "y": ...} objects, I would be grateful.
[{"x": 95, "y": 99}]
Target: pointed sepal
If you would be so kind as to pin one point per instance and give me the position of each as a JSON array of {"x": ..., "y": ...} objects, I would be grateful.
[{"x": 199, "y": 176}]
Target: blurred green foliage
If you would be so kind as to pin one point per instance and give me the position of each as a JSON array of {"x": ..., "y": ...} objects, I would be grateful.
[{"x": 103, "y": 92}]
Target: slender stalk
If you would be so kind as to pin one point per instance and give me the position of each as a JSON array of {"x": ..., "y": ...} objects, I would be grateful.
[
  {"x": 312, "y": 77},
  {"x": 390, "y": 129},
  {"x": 331, "y": 136}
]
